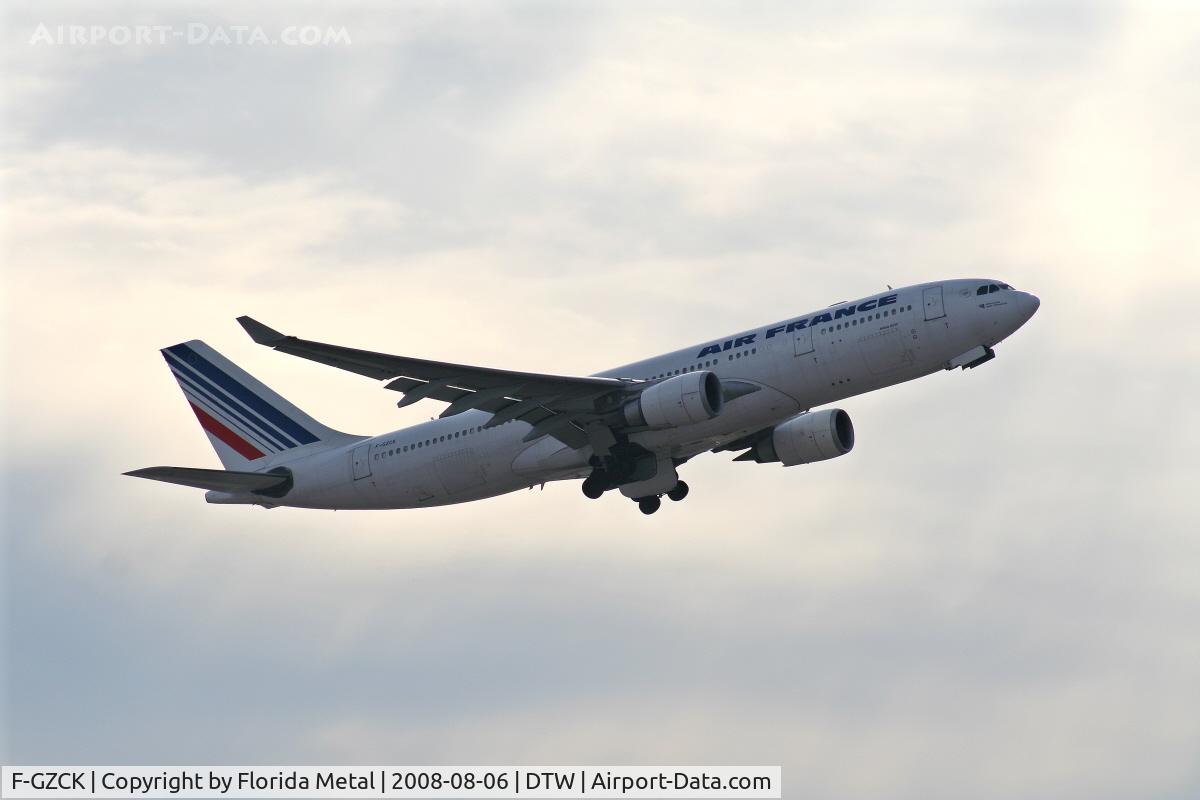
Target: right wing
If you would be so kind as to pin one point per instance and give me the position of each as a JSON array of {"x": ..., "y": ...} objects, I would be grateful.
[{"x": 556, "y": 405}]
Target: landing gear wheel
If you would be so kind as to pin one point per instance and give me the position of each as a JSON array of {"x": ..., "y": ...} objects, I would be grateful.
[
  {"x": 649, "y": 505},
  {"x": 679, "y": 492},
  {"x": 592, "y": 489}
]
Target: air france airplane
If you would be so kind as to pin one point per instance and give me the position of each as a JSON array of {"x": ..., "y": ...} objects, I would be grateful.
[{"x": 628, "y": 428}]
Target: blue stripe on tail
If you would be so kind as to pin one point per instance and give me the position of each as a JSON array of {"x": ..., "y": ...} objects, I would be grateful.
[
  {"x": 227, "y": 406},
  {"x": 247, "y": 397}
]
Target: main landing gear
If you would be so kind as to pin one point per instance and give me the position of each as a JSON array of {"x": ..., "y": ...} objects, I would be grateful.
[
  {"x": 594, "y": 488},
  {"x": 639, "y": 475},
  {"x": 679, "y": 492},
  {"x": 648, "y": 505}
]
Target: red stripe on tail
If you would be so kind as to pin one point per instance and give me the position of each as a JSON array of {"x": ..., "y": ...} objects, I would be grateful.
[{"x": 213, "y": 426}]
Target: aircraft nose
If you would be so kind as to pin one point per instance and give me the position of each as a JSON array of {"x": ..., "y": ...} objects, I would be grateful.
[{"x": 1031, "y": 302}]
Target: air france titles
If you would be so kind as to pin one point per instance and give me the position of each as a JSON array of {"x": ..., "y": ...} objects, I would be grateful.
[{"x": 800, "y": 324}]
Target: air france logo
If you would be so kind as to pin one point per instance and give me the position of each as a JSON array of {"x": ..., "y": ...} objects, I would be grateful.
[{"x": 801, "y": 324}]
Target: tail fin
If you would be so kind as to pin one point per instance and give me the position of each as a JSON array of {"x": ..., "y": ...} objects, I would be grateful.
[{"x": 250, "y": 426}]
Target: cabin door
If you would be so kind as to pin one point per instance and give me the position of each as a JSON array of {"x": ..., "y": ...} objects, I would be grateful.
[
  {"x": 933, "y": 303},
  {"x": 804, "y": 341},
  {"x": 360, "y": 457}
]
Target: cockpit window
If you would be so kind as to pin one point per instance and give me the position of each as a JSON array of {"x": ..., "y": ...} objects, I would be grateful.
[
  {"x": 1006, "y": 287},
  {"x": 981, "y": 290},
  {"x": 993, "y": 288}
]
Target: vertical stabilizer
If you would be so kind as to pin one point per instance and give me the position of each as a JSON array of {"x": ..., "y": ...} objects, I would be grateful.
[{"x": 250, "y": 426}]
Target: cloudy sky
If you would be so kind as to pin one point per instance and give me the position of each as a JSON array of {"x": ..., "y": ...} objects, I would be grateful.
[{"x": 995, "y": 596}]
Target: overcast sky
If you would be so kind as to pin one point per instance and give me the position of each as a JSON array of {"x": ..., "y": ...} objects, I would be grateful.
[{"x": 995, "y": 595}]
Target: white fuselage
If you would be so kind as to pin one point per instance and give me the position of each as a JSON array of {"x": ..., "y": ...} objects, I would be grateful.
[{"x": 453, "y": 460}]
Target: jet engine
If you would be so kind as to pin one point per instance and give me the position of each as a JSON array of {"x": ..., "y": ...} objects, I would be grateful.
[
  {"x": 681, "y": 400},
  {"x": 815, "y": 436}
]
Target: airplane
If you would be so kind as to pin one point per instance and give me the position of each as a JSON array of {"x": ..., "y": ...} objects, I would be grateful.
[{"x": 629, "y": 429}]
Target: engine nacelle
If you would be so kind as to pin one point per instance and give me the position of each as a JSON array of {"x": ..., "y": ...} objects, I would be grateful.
[
  {"x": 683, "y": 400},
  {"x": 816, "y": 436}
]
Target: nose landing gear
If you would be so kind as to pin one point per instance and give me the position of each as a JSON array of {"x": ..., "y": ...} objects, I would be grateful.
[{"x": 679, "y": 492}]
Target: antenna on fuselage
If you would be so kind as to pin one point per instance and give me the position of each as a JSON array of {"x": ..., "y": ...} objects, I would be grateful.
[{"x": 889, "y": 286}]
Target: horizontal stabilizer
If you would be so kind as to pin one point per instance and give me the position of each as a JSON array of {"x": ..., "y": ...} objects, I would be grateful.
[{"x": 221, "y": 480}]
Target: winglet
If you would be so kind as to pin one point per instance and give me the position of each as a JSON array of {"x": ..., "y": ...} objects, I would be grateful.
[{"x": 259, "y": 332}]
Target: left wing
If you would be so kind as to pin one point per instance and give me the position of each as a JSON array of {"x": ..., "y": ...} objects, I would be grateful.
[{"x": 556, "y": 405}]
